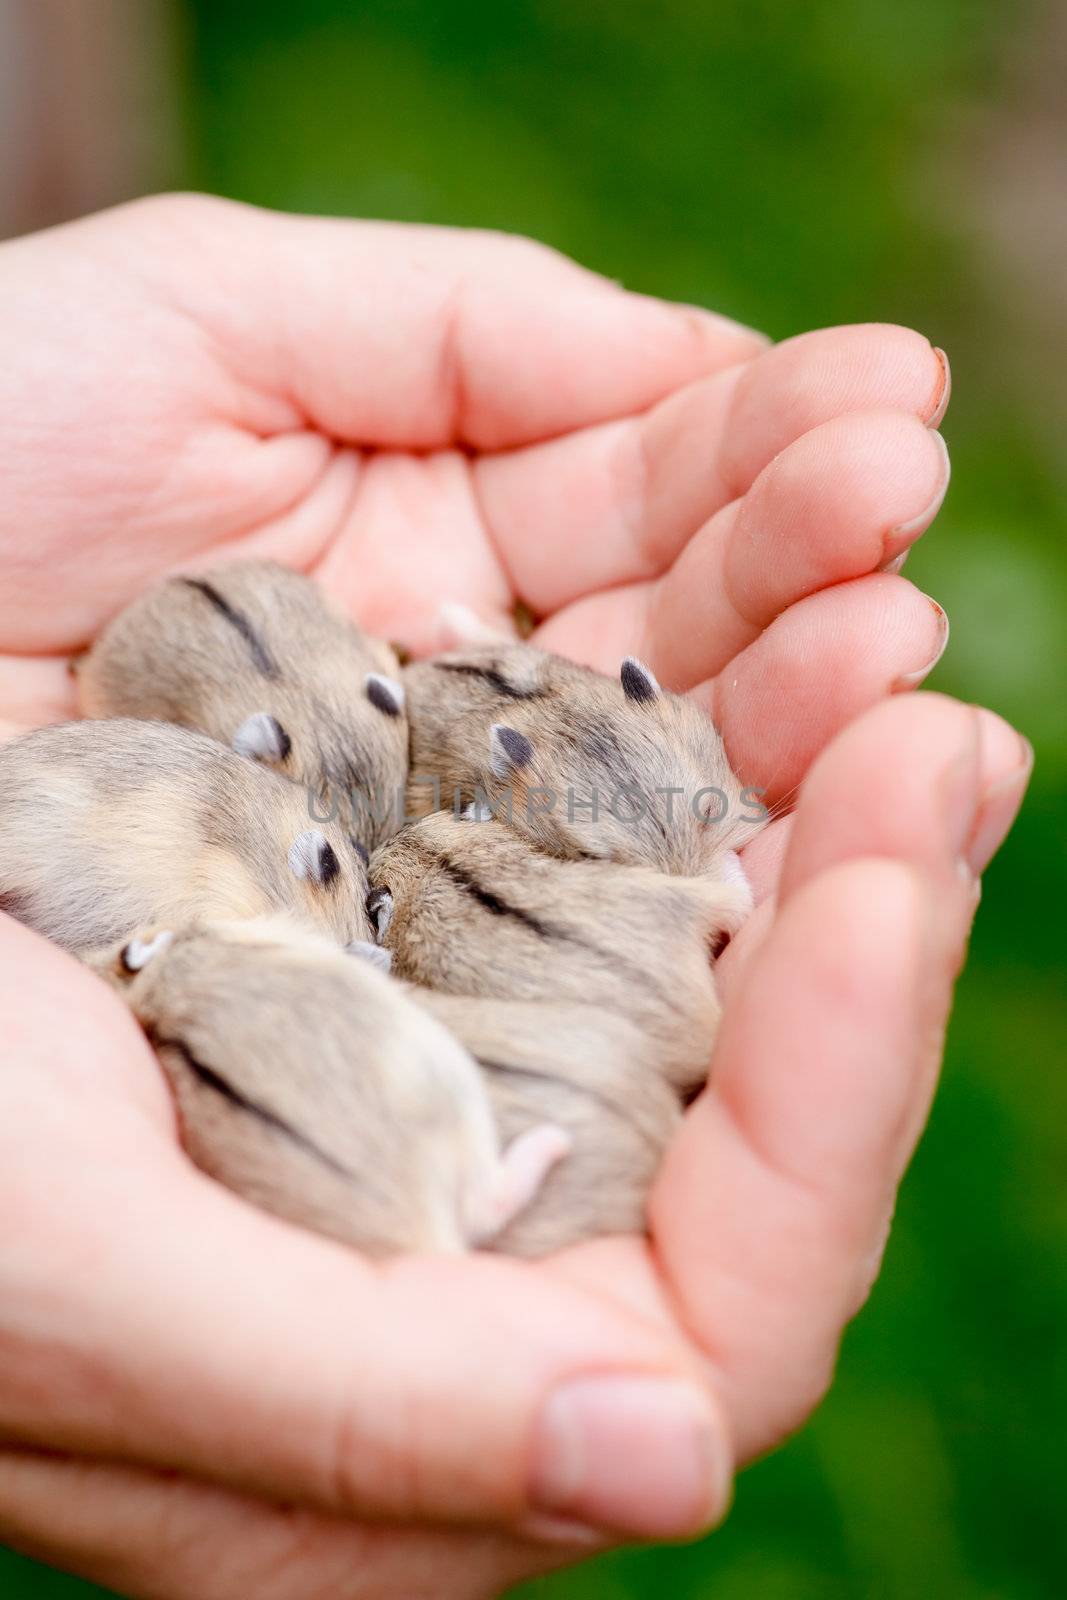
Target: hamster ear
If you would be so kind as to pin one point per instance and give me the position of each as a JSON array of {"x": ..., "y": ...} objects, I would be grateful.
[
  {"x": 262, "y": 738},
  {"x": 508, "y": 750},
  {"x": 311, "y": 855},
  {"x": 139, "y": 952},
  {"x": 385, "y": 694},
  {"x": 638, "y": 682},
  {"x": 380, "y": 906},
  {"x": 373, "y": 954}
]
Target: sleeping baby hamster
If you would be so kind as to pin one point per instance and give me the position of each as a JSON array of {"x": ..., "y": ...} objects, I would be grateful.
[
  {"x": 584, "y": 1070},
  {"x": 253, "y": 655},
  {"x": 472, "y": 908},
  {"x": 584, "y": 765},
  {"x": 106, "y": 826},
  {"x": 312, "y": 1085}
]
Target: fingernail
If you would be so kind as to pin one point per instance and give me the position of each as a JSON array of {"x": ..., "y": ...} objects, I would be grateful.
[
  {"x": 914, "y": 525},
  {"x": 909, "y": 680},
  {"x": 638, "y": 1456},
  {"x": 936, "y": 417},
  {"x": 997, "y": 809}
]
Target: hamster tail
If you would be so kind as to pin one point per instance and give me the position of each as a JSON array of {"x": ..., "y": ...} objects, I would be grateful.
[{"x": 516, "y": 1178}]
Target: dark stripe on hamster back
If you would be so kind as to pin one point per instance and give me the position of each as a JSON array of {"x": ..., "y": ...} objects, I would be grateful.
[
  {"x": 506, "y": 1069},
  {"x": 494, "y": 678},
  {"x": 492, "y": 902},
  {"x": 261, "y": 656},
  {"x": 545, "y": 930},
  {"x": 215, "y": 1081}
]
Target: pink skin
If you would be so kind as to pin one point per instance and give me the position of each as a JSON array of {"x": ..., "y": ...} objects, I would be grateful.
[{"x": 197, "y": 1398}]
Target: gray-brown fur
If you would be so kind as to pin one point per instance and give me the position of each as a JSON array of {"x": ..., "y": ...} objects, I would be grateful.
[
  {"x": 253, "y": 652},
  {"x": 471, "y": 908},
  {"x": 106, "y": 826},
  {"x": 589, "y": 1072},
  {"x": 579, "y": 734},
  {"x": 312, "y": 1085}
]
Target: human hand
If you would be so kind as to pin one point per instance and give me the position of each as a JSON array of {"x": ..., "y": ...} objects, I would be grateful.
[{"x": 178, "y": 399}]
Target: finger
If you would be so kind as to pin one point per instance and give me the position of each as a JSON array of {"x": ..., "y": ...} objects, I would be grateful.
[
  {"x": 813, "y": 378},
  {"x": 849, "y": 809},
  {"x": 841, "y": 502},
  {"x": 696, "y": 620},
  {"x": 417, "y": 337},
  {"x": 616, "y": 503},
  {"x": 818, "y": 666},
  {"x": 852, "y": 806},
  {"x": 772, "y": 1205},
  {"x": 828, "y": 1051},
  {"x": 155, "y": 1536},
  {"x": 147, "y": 1313}
]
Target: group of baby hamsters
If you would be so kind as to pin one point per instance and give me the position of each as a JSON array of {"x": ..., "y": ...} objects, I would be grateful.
[{"x": 426, "y": 951}]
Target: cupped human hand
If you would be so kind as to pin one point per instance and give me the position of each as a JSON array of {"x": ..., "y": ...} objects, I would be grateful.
[{"x": 217, "y": 1402}]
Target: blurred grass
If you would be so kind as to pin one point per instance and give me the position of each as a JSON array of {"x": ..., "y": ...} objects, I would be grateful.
[{"x": 794, "y": 167}]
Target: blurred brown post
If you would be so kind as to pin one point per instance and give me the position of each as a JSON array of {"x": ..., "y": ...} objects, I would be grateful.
[{"x": 88, "y": 106}]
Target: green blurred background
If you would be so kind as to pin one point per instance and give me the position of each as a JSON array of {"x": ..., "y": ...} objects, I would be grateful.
[{"x": 793, "y": 166}]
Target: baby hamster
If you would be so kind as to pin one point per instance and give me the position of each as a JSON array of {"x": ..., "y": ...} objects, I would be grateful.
[
  {"x": 472, "y": 908},
  {"x": 582, "y": 764},
  {"x": 105, "y": 826},
  {"x": 589, "y": 1072},
  {"x": 313, "y": 1086},
  {"x": 253, "y": 655}
]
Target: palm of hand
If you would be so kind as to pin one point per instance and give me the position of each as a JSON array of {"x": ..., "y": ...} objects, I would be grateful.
[{"x": 414, "y": 418}]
